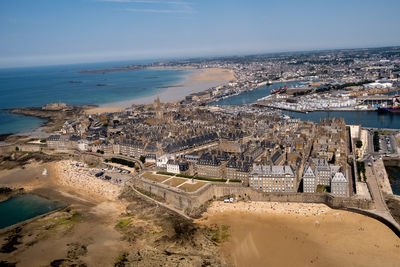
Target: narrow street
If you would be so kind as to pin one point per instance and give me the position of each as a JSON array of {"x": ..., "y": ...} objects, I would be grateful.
[{"x": 375, "y": 190}]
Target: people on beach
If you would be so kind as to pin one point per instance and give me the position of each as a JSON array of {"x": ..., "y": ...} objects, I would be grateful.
[
  {"x": 74, "y": 175},
  {"x": 309, "y": 209}
]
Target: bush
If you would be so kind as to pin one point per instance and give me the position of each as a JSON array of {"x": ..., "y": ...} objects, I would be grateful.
[
  {"x": 184, "y": 175},
  {"x": 123, "y": 223},
  {"x": 166, "y": 173},
  {"x": 359, "y": 144},
  {"x": 333, "y": 159},
  {"x": 122, "y": 260},
  {"x": 361, "y": 169},
  {"x": 142, "y": 159},
  {"x": 376, "y": 141},
  {"x": 210, "y": 179},
  {"x": 323, "y": 188},
  {"x": 235, "y": 181},
  {"x": 123, "y": 162}
]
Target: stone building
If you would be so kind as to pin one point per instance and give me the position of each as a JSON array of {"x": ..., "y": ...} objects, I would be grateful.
[
  {"x": 319, "y": 172},
  {"x": 273, "y": 178},
  {"x": 173, "y": 166},
  {"x": 211, "y": 168},
  {"x": 309, "y": 181},
  {"x": 322, "y": 171},
  {"x": 340, "y": 185},
  {"x": 132, "y": 148},
  {"x": 238, "y": 170}
]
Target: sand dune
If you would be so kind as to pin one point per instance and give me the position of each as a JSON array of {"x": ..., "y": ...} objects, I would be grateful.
[{"x": 316, "y": 236}]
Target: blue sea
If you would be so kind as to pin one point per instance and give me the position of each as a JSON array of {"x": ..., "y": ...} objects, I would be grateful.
[
  {"x": 371, "y": 119},
  {"x": 23, "y": 207},
  {"x": 37, "y": 86},
  {"x": 251, "y": 96}
]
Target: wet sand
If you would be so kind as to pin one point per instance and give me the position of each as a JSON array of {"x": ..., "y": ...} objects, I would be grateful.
[
  {"x": 95, "y": 230},
  {"x": 196, "y": 81},
  {"x": 282, "y": 234}
]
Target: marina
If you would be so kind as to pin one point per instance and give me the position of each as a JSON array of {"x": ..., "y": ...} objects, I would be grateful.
[{"x": 370, "y": 118}]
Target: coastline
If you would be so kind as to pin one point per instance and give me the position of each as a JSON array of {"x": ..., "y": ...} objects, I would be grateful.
[
  {"x": 192, "y": 80},
  {"x": 316, "y": 234},
  {"x": 196, "y": 80},
  {"x": 6, "y": 192}
]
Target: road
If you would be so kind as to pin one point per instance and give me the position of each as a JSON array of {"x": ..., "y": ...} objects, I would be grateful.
[
  {"x": 380, "y": 206},
  {"x": 373, "y": 184}
]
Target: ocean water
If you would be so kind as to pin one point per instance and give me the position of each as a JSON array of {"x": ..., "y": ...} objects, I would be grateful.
[
  {"x": 250, "y": 96},
  {"x": 365, "y": 118},
  {"x": 37, "y": 86},
  {"x": 371, "y": 119},
  {"x": 22, "y": 207},
  {"x": 15, "y": 123}
]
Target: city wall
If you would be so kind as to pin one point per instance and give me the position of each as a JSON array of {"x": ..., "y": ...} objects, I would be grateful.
[
  {"x": 189, "y": 201},
  {"x": 22, "y": 147},
  {"x": 391, "y": 162}
]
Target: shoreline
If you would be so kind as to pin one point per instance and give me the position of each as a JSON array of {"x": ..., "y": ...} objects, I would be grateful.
[
  {"x": 25, "y": 222},
  {"x": 9, "y": 193},
  {"x": 256, "y": 232},
  {"x": 196, "y": 80}
]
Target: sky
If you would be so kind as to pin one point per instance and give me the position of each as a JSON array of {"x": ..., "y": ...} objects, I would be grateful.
[{"x": 50, "y": 32}]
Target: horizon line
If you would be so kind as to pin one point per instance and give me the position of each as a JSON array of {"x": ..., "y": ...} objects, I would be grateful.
[{"x": 239, "y": 54}]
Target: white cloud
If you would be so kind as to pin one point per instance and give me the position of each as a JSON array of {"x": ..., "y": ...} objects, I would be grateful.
[
  {"x": 154, "y": 10},
  {"x": 133, "y": 1},
  {"x": 162, "y": 6}
]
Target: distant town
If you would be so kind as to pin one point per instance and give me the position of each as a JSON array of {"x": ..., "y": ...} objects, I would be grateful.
[
  {"x": 163, "y": 165},
  {"x": 181, "y": 150}
]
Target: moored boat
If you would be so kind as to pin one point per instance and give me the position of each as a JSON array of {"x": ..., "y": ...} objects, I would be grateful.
[{"x": 394, "y": 108}]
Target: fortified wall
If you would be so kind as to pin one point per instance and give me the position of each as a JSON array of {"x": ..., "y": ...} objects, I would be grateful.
[{"x": 189, "y": 201}]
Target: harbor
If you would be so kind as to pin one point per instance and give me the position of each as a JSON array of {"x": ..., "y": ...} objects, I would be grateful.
[{"x": 359, "y": 110}]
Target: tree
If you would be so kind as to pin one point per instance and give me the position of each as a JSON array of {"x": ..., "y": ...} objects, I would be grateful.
[
  {"x": 359, "y": 144},
  {"x": 16, "y": 148},
  {"x": 142, "y": 159},
  {"x": 376, "y": 141},
  {"x": 333, "y": 159}
]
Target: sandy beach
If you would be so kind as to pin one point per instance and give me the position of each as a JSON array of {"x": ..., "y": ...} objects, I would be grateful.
[
  {"x": 294, "y": 234},
  {"x": 197, "y": 80},
  {"x": 98, "y": 214},
  {"x": 80, "y": 177},
  {"x": 96, "y": 231}
]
